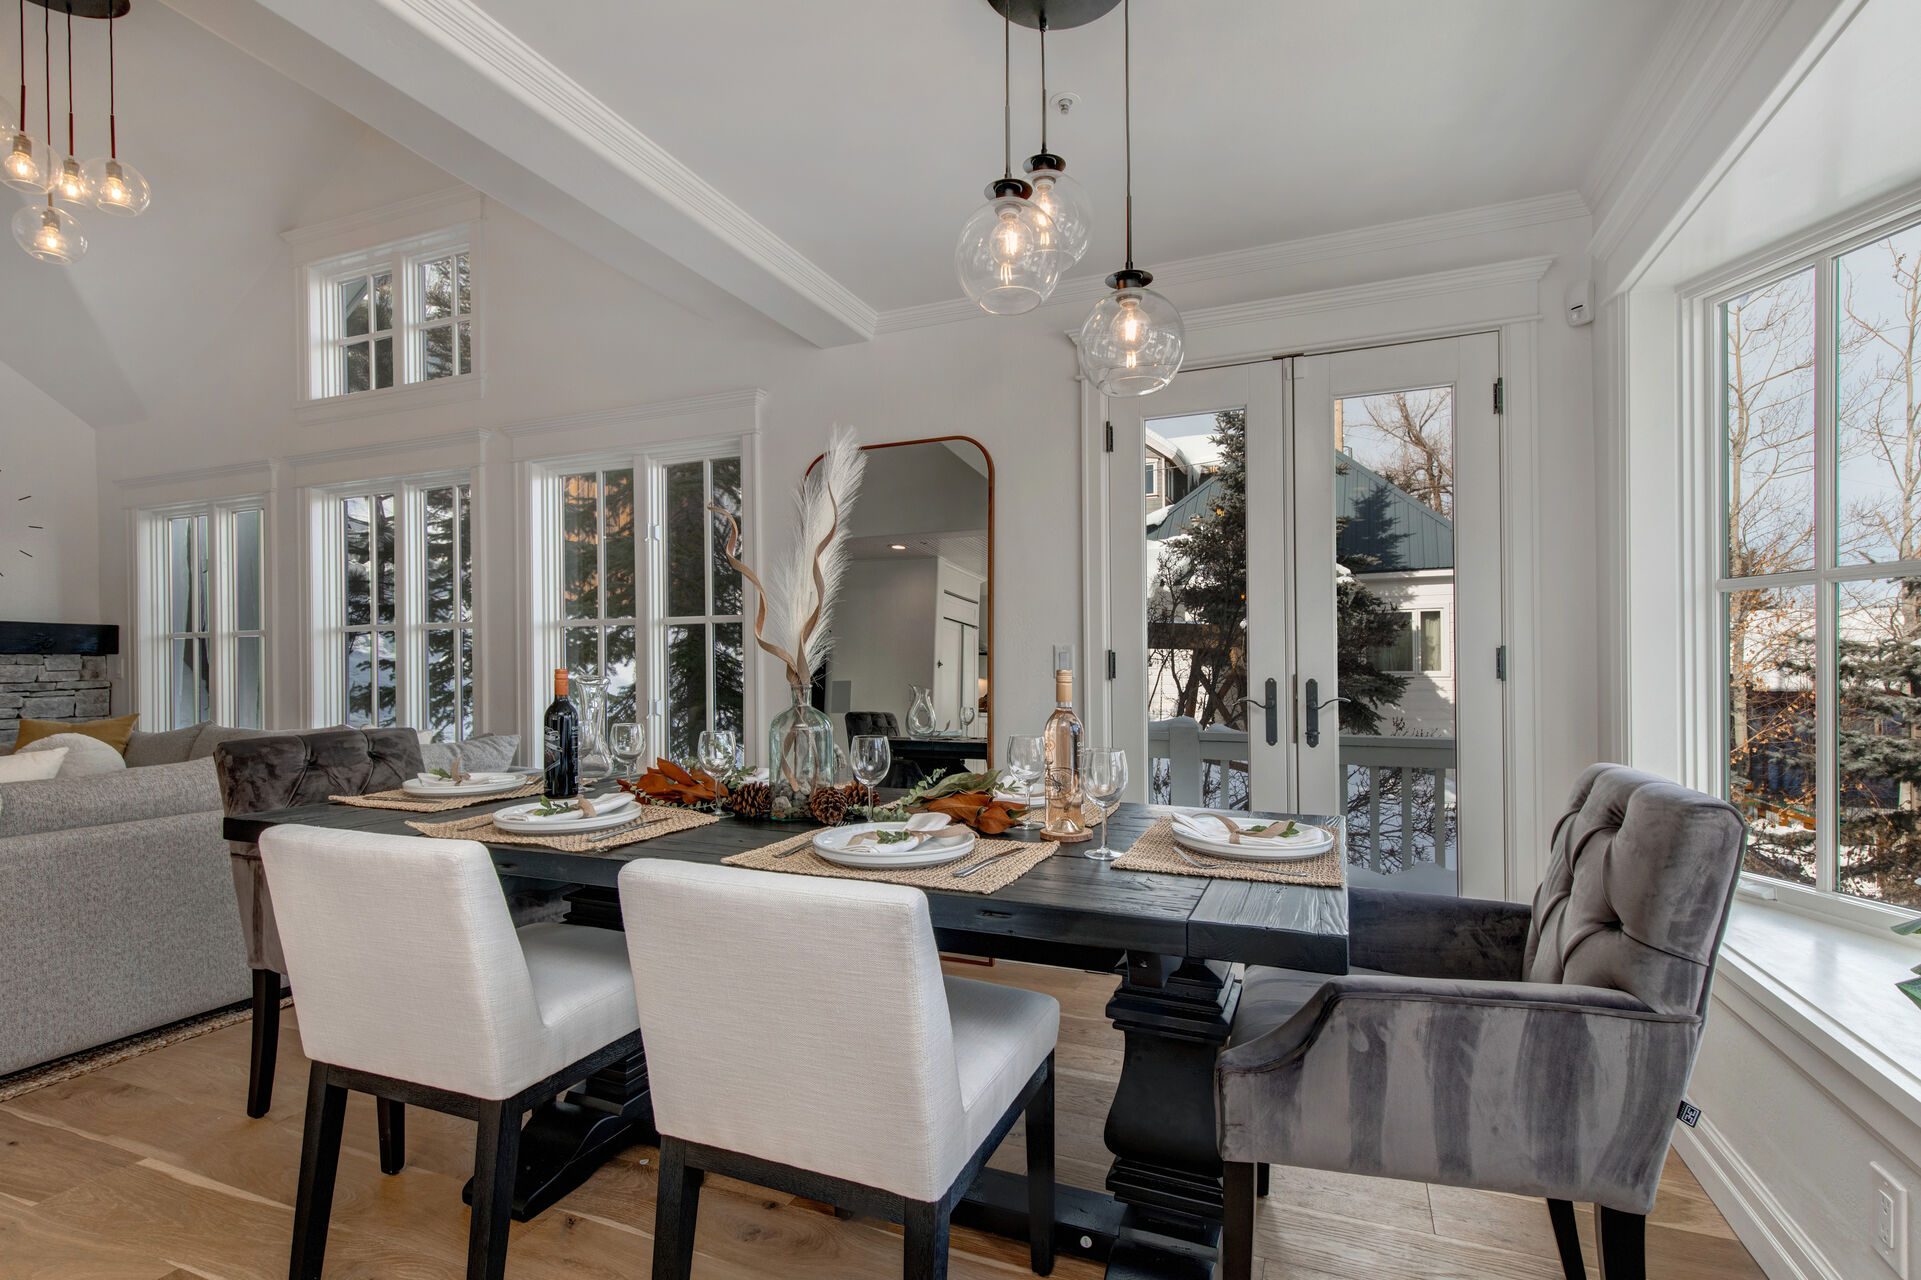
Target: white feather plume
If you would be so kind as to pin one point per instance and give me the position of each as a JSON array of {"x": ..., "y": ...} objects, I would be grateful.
[{"x": 823, "y": 505}]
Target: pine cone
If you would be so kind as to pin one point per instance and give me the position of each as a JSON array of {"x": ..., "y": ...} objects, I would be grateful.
[
  {"x": 827, "y": 806},
  {"x": 751, "y": 800},
  {"x": 859, "y": 795}
]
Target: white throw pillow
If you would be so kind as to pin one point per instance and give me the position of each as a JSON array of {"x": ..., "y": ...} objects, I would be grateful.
[
  {"x": 28, "y": 765},
  {"x": 85, "y": 756}
]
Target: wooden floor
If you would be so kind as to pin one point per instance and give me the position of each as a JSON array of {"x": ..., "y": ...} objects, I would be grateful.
[{"x": 151, "y": 1170}]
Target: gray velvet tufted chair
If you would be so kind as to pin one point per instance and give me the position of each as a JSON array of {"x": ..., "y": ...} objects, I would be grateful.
[
  {"x": 279, "y": 771},
  {"x": 1540, "y": 1051}
]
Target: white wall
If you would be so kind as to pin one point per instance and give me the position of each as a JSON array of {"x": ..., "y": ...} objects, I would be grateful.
[
  {"x": 48, "y": 453},
  {"x": 880, "y": 664}
]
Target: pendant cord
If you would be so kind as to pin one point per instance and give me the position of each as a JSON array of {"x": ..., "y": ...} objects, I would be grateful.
[
  {"x": 23, "y": 66},
  {"x": 46, "y": 48},
  {"x": 1043, "y": 83},
  {"x": 113, "y": 102},
  {"x": 1127, "y": 115},
  {"x": 1007, "y": 93},
  {"x": 70, "y": 150}
]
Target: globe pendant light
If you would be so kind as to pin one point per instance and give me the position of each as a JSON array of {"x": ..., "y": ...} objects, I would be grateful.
[
  {"x": 1060, "y": 197},
  {"x": 26, "y": 163},
  {"x": 69, "y": 181},
  {"x": 1132, "y": 342},
  {"x": 49, "y": 233},
  {"x": 1005, "y": 256},
  {"x": 118, "y": 187}
]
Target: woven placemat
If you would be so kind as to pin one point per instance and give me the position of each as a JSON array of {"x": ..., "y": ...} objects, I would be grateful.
[
  {"x": 661, "y": 820},
  {"x": 1155, "y": 851},
  {"x": 797, "y": 855},
  {"x": 398, "y": 799}
]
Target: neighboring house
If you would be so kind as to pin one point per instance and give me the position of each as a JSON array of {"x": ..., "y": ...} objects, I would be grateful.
[{"x": 1172, "y": 471}]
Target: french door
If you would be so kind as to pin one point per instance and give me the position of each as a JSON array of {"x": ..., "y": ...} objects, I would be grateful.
[{"x": 1306, "y": 606}]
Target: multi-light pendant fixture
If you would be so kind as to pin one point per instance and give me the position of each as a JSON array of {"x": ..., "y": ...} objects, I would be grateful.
[
  {"x": 1017, "y": 246},
  {"x": 51, "y": 176}
]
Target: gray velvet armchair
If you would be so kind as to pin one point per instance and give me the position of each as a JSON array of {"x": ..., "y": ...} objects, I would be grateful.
[{"x": 1538, "y": 1051}]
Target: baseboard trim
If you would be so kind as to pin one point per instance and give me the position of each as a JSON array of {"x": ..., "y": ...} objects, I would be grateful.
[{"x": 1778, "y": 1244}]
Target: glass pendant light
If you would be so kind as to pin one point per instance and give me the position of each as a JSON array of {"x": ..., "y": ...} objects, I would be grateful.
[
  {"x": 1061, "y": 198},
  {"x": 25, "y": 161},
  {"x": 49, "y": 233},
  {"x": 1133, "y": 341},
  {"x": 1005, "y": 257},
  {"x": 69, "y": 180},
  {"x": 118, "y": 187}
]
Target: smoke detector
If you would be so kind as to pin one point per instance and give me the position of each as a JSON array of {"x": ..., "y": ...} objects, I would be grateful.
[{"x": 1063, "y": 103}]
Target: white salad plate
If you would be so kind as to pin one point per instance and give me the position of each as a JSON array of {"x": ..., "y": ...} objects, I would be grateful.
[
  {"x": 610, "y": 811},
  {"x": 930, "y": 850},
  {"x": 1208, "y": 835},
  {"x": 479, "y": 784}
]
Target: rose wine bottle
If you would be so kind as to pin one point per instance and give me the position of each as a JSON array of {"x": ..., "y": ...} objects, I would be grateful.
[
  {"x": 1061, "y": 740},
  {"x": 561, "y": 743}
]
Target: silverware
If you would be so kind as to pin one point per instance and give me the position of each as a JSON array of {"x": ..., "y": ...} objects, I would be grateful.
[
  {"x": 1193, "y": 861},
  {"x": 966, "y": 871}
]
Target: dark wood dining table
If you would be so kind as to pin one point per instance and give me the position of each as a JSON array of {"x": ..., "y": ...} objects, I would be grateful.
[{"x": 1174, "y": 942}]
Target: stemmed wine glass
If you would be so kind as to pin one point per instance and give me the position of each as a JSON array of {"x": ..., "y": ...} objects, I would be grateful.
[
  {"x": 1103, "y": 778},
  {"x": 967, "y": 714},
  {"x": 1026, "y": 762},
  {"x": 871, "y": 758},
  {"x": 628, "y": 740},
  {"x": 715, "y": 750}
]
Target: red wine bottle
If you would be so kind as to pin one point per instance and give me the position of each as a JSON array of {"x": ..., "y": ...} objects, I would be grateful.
[{"x": 561, "y": 740}]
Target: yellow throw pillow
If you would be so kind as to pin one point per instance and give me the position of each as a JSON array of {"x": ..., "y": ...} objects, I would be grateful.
[{"x": 112, "y": 732}]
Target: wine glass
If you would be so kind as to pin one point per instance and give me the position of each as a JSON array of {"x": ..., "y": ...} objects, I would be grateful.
[
  {"x": 1103, "y": 778},
  {"x": 1026, "y": 762},
  {"x": 628, "y": 740},
  {"x": 716, "y": 751},
  {"x": 871, "y": 758},
  {"x": 967, "y": 715}
]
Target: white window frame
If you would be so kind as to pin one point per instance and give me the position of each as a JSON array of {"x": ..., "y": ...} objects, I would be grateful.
[
  {"x": 321, "y": 325},
  {"x": 1703, "y": 473},
  {"x": 548, "y": 647},
  {"x": 1412, "y": 613},
  {"x": 1153, "y": 477},
  {"x": 410, "y": 624},
  {"x": 154, "y": 625}
]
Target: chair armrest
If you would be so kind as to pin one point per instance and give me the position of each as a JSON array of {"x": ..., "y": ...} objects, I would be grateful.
[
  {"x": 1427, "y": 936},
  {"x": 1537, "y": 1089}
]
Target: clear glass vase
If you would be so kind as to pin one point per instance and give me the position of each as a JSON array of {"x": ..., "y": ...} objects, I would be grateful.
[
  {"x": 920, "y": 716},
  {"x": 800, "y": 757},
  {"x": 596, "y": 761}
]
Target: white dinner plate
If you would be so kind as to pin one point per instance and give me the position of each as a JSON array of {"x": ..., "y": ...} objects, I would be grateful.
[
  {"x": 479, "y": 784},
  {"x": 612, "y": 811},
  {"x": 955, "y": 842},
  {"x": 1308, "y": 842}
]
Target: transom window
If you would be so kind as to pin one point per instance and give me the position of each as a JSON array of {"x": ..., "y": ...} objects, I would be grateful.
[
  {"x": 204, "y": 631},
  {"x": 1820, "y": 586},
  {"x": 388, "y": 317}
]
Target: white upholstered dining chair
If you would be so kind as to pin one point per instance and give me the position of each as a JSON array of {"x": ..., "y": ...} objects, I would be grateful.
[
  {"x": 413, "y": 985},
  {"x": 841, "y": 1065}
]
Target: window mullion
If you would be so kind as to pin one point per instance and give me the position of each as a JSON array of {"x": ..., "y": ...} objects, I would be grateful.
[
  {"x": 410, "y": 611},
  {"x": 1826, "y": 696}
]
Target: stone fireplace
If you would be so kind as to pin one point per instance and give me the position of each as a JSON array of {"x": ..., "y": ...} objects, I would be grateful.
[{"x": 54, "y": 671}]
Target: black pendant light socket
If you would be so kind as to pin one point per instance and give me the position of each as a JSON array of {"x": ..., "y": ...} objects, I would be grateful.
[
  {"x": 1045, "y": 160},
  {"x": 1009, "y": 187},
  {"x": 1130, "y": 278}
]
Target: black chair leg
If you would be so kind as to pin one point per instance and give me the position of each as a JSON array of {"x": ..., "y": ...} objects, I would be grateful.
[
  {"x": 1261, "y": 1172},
  {"x": 925, "y": 1251},
  {"x": 1040, "y": 1175},
  {"x": 676, "y": 1211},
  {"x": 1567, "y": 1238},
  {"x": 266, "y": 1041},
  {"x": 319, "y": 1162},
  {"x": 496, "y": 1160},
  {"x": 391, "y": 1116},
  {"x": 1237, "y": 1221},
  {"x": 1620, "y": 1244}
]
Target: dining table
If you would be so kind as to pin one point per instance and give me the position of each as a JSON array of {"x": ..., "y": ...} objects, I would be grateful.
[
  {"x": 922, "y": 757},
  {"x": 1175, "y": 943}
]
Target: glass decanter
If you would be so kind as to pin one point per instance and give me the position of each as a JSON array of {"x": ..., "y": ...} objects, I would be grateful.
[
  {"x": 800, "y": 757},
  {"x": 920, "y": 716},
  {"x": 596, "y": 761}
]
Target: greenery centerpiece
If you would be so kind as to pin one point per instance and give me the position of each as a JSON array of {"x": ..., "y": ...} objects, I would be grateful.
[{"x": 793, "y": 620}]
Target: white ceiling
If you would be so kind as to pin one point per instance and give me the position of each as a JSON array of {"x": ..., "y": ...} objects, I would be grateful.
[{"x": 863, "y": 131}]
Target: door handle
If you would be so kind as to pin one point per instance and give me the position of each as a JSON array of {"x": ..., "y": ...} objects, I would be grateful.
[
  {"x": 1312, "y": 712},
  {"x": 1273, "y": 708}
]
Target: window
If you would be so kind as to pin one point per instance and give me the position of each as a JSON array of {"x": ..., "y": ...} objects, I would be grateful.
[
  {"x": 1152, "y": 488},
  {"x": 1820, "y": 576},
  {"x": 400, "y": 647},
  {"x": 679, "y": 663},
  {"x": 1416, "y": 648},
  {"x": 204, "y": 635},
  {"x": 402, "y": 314}
]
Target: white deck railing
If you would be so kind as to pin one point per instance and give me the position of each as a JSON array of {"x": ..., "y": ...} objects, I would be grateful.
[{"x": 1400, "y": 792}]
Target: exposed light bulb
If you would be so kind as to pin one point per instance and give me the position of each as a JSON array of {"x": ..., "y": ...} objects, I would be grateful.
[
  {"x": 70, "y": 183},
  {"x": 1133, "y": 341},
  {"x": 1000, "y": 256},
  {"x": 1009, "y": 241},
  {"x": 49, "y": 234},
  {"x": 26, "y": 166},
  {"x": 118, "y": 187},
  {"x": 1066, "y": 205}
]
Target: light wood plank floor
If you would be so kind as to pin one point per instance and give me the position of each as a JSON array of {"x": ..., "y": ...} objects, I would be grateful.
[{"x": 151, "y": 1170}]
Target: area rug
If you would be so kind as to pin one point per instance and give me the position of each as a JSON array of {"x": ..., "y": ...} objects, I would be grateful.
[{"x": 90, "y": 1060}]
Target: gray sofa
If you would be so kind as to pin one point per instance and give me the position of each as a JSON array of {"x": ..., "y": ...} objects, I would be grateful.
[{"x": 116, "y": 904}]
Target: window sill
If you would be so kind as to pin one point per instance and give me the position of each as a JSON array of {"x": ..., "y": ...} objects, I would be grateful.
[
  {"x": 414, "y": 395},
  {"x": 1833, "y": 986}
]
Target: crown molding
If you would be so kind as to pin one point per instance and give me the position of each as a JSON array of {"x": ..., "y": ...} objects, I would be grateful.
[
  {"x": 1517, "y": 271},
  {"x": 749, "y": 399},
  {"x": 520, "y": 69},
  {"x": 473, "y": 436},
  {"x": 1507, "y": 216},
  {"x": 445, "y": 207},
  {"x": 194, "y": 474}
]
